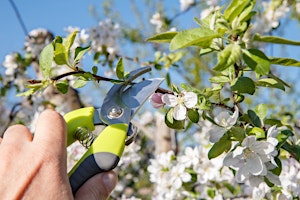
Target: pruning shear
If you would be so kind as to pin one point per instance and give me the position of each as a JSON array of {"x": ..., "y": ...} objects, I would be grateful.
[{"x": 119, "y": 106}]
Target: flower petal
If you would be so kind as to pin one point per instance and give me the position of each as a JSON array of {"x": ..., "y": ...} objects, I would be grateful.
[
  {"x": 179, "y": 112},
  {"x": 215, "y": 134},
  {"x": 242, "y": 174},
  {"x": 232, "y": 119},
  {"x": 190, "y": 99},
  {"x": 255, "y": 165},
  {"x": 156, "y": 100},
  {"x": 170, "y": 100}
]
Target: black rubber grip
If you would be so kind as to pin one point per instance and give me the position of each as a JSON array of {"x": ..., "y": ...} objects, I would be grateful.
[{"x": 92, "y": 165}]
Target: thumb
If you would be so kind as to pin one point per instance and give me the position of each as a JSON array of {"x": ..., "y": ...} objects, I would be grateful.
[{"x": 98, "y": 187}]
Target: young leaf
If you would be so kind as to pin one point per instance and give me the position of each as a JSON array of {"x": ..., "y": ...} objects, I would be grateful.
[
  {"x": 258, "y": 132},
  {"x": 285, "y": 62},
  {"x": 162, "y": 37},
  {"x": 228, "y": 57},
  {"x": 61, "y": 56},
  {"x": 257, "y": 61},
  {"x": 95, "y": 69},
  {"x": 234, "y": 9},
  {"x": 283, "y": 136},
  {"x": 270, "y": 82},
  {"x": 247, "y": 13},
  {"x": 79, "y": 83},
  {"x": 68, "y": 42},
  {"x": 62, "y": 86},
  {"x": 120, "y": 69},
  {"x": 261, "y": 111},
  {"x": 46, "y": 59},
  {"x": 198, "y": 36},
  {"x": 243, "y": 85},
  {"x": 79, "y": 52},
  {"x": 275, "y": 40},
  {"x": 223, "y": 145},
  {"x": 219, "y": 79}
]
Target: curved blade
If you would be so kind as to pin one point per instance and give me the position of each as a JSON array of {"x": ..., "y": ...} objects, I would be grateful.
[
  {"x": 136, "y": 95},
  {"x": 123, "y": 101}
]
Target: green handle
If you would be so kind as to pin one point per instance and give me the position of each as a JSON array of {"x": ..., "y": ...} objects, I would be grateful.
[
  {"x": 103, "y": 155},
  {"x": 82, "y": 117}
]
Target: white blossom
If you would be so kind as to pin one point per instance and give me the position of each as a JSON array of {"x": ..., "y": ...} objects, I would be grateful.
[
  {"x": 290, "y": 177},
  {"x": 158, "y": 21},
  {"x": 104, "y": 37},
  {"x": 180, "y": 102},
  {"x": 36, "y": 40},
  {"x": 179, "y": 176},
  {"x": 191, "y": 157},
  {"x": 225, "y": 121},
  {"x": 130, "y": 155},
  {"x": 270, "y": 17},
  {"x": 11, "y": 64},
  {"x": 250, "y": 158},
  {"x": 185, "y": 4}
]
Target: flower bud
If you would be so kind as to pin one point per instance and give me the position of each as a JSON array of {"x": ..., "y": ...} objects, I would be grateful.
[{"x": 156, "y": 100}]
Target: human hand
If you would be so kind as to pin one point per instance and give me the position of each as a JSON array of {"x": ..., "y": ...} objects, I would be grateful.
[{"x": 35, "y": 167}]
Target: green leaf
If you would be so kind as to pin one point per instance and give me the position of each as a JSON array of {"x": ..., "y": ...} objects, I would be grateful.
[
  {"x": 79, "y": 83},
  {"x": 257, "y": 61},
  {"x": 219, "y": 79},
  {"x": 285, "y": 61},
  {"x": 46, "y": 59},
  {"x": 162, "y": 37},
  {"x": 223, "y": 145},
  {"x": 283, "y": 136},
  {"x": 171, "y": 122},
  {"x": 275, "y": 40},
  {"x": 254, "y": 118},
  {"x": 247, "y": 13},
  {"x": 278, "y": 169},
  {"x": 243, "y": 85},
  {"x": 261, "y": 111},
  {"x": 68, "y": 42},
  {"x": 234, "y": 9},
  {"x": 258, "y": 132},
  {"x": 95, "y": 69},
  {"x": 27, "y": 93},
  {"x": 293, "y": 149},
  {"x": 228, "y": 57},
  {"x": 237, "y": 133},
  {"x": 61, "y": 56},
  {"x": 120, "y": 69},
  {"x": 198, "y": 36},
  {"x": 62, "y": 86},
  {"x": 193, "y": 115},
  {"x": 79, "y": 52},
  {"x": 270, "y": 82}
]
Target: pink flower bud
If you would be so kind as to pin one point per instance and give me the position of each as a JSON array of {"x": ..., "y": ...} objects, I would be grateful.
[{"x": 156, "y": 100}]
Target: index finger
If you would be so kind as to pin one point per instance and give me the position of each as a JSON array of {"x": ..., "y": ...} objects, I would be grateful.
[{"x": 51, "y": 131}]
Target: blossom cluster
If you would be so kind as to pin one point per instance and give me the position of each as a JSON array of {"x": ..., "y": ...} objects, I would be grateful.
[{"x": 180, "y": 102}]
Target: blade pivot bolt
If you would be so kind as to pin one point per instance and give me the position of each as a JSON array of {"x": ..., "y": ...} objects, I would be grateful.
[{"x": 115, "y": 112}]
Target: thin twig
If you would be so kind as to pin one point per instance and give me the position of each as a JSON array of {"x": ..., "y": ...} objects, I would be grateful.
[
  {"x": 13, "y": 112},
  {"x": 16, "y": 10}
]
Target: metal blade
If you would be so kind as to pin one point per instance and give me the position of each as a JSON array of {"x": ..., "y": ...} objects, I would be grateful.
[{"x": 136, "y": 95}]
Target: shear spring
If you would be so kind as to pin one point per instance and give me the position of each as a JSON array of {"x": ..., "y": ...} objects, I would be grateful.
[{"x": 84, "y": 136}]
